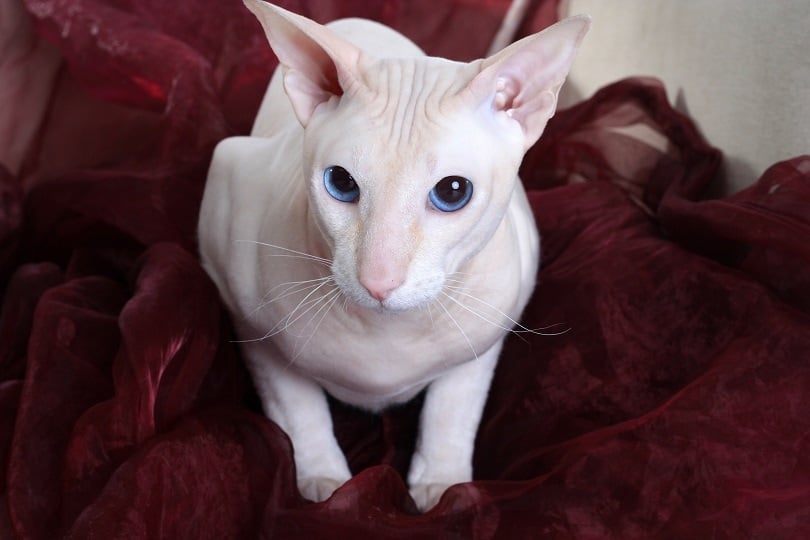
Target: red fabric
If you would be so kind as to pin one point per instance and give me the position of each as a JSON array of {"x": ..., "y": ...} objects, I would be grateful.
[{"x": 675, "y": 405}]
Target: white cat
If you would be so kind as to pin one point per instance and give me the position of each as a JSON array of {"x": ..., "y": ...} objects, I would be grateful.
[{"x": 371, "y": 237}]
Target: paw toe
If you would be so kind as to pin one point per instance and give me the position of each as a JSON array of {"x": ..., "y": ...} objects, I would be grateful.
[
  {"x": 318, "y": 488},
  {"x": 427, "y": 495}
]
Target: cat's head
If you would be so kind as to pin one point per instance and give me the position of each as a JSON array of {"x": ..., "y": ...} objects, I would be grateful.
[{"x": 412, "y": 162}]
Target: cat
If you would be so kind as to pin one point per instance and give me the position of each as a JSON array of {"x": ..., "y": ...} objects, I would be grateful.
[{"x": 371, "y": 238}]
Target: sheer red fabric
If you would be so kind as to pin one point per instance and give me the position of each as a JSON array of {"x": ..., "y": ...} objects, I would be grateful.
[{"x": 671, "y": 403}]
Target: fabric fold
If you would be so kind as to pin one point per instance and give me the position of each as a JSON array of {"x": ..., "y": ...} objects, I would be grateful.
[{"x": 664, "y": 392}]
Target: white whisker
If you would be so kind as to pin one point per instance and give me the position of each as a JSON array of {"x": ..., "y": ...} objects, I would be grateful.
[
  {"x": 292, "y": 318},
  {"x": 429, "y": 308},
  {"x": 289, "y": 252},
  {"x": 517, "y": 329},
  {"x": 292, "y": 287},
  {"x": 304, "y": 306},
  {"x": 329, "y": 300},
  {"x": 326, "y": 300},
  {"x": 463, "y": 333},
  {"x": 476, "y": 313}
]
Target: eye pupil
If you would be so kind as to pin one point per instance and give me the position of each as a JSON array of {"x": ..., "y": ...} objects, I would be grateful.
[
  {"x": 451, "y": 193},
  {"x": 340, "y": 184}
]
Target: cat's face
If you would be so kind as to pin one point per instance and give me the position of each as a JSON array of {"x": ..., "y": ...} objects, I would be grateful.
[
  {"x": 412, "y": 162},
  {"x": 407, "y": 181}
]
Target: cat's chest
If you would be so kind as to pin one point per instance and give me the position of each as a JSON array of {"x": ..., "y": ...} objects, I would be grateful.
[{"x": 376, "y": 363}]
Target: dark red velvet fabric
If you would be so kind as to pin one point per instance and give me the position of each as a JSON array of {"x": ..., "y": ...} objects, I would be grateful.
[{"x": 674, "y": 406}]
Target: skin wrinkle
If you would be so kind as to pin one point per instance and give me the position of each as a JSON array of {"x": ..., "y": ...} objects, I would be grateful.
[
  {"x": 409, "y": 89},
  {"x": 412, "y": 104},
  {"x": 426, "y": 99},
  {"x": 434, "y": 103},
  {"x": 402, "y": 108}
]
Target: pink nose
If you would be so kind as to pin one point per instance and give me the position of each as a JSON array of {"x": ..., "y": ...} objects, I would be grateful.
[{"x": 381, "y": 287}]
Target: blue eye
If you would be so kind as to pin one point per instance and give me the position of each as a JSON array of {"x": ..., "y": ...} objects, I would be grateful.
[
  {"x": 340, "y": 184},
  {"x": 451, "y": 193}
]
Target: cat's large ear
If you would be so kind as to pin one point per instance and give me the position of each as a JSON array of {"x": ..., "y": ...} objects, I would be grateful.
[
  {"x": 317, "y": 64},
  {"x": 524, "y": 79}
]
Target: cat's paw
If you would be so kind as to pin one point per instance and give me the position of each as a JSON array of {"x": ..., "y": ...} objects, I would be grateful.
[
  {"x": 319, "y": 488},
  {"x": 430, "y": 477},
  {"x": 320, "y": 467},
  {"x": 427, "y": 495}
]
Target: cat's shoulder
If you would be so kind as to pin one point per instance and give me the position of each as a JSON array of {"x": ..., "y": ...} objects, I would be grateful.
[{"x": 248, "y": 173}]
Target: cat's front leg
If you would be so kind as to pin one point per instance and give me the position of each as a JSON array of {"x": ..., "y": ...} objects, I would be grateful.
[
  {"x": 299, "y": 406},
  {"x": 452, "y": 410}
]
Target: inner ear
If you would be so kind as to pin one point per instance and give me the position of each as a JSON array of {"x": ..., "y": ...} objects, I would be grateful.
[
  {"x": 524, "y": 79},
  {"x": 524, "y": 104},
  {"x": 306, "y": 93},
  {"x": 304, "y": 58},
  {"x": 318, "y": 64},
  {"x": 505, "y": 94}
]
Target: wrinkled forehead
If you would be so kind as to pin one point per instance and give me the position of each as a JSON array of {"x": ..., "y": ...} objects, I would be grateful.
[
  {"x": 409, "y": 95},
  {"x": 422, "y": 149},
  {"x": 408, "y": 116},
  {"x": 422, "y": 79}
]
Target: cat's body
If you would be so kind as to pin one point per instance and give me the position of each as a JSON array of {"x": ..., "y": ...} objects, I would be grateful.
[{"x": 394, "y": 293}]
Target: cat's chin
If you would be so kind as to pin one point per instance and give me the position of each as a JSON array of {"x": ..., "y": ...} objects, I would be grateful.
[
  {"x": 393, "y": 305},
  {"x": 385, "y": 307}
]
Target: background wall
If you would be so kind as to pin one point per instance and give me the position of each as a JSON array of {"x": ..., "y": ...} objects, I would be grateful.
[{"x": 740, "y": 68}]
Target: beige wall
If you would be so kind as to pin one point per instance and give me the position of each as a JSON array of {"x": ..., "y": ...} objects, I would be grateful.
[{"x": 740, "y": 68}]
